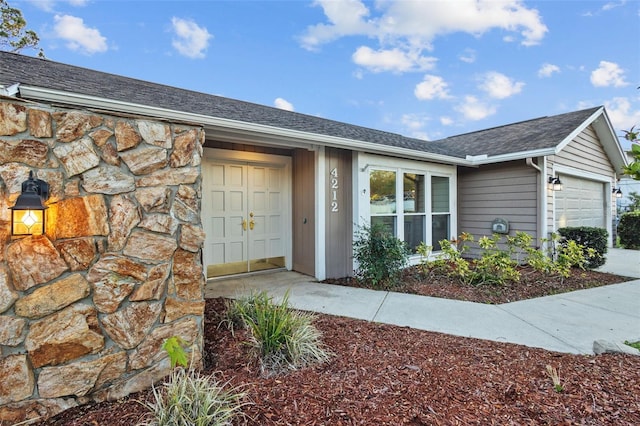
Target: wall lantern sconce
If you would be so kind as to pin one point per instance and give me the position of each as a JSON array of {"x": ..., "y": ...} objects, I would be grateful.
[
  {"x": 27, "y": 215},
  {"x": 554, "y": 184},
  {"x": 617, "y": 192}
]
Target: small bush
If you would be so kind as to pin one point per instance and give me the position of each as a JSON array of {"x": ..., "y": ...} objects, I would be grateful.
[
  {"x": 381, "y": 256},
  {"x": 589, "y": 238},
  {"x": 629, "y": 230},
  {"x": 187, "y": 398},
  {"x": 283, "y": 339}
]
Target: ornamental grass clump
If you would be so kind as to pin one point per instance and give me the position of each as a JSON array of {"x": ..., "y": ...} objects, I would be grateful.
[
  {"x": 188, "y": 398},
  {"x": 283, "y": 339}
]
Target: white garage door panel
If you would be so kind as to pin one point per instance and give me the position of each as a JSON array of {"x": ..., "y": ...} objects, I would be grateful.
[{"x": 580, "y": 203}]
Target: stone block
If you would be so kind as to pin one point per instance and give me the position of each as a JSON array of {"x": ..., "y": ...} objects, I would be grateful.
[
  {"x": 79, "y": 253},
  {"x": 39, "y": 123},
  {"x": 81, "y": 378},
  {"x": 154, "y": 133},
  {"x": 126, "y": 136},
  {"x": 144, "y": 160},
  {"x": 16, "y": 379},
  {"x": 7, "y": 295},
  {"x": 128, "y": 326},
  {"x": 169, "y": 177},
  {"x": 161, "y": 223},
  {"x": 32, "y": 261},
  {"x": 188, "y": 277},
  {"x": 77, "y": 157},
  {"x": 154, "y": 287},
  {"x": 13, "y": 119},
  {"x": 53, "y": 297},
  {"x": 64, "y": 336},
  {"x": 11, "y": 329},
  {"x": 125, "y": 215},
  {"x": 191, "y": 237},
  {"x": 107, "y": 180},
  {"x": 184, "y": 149},
  {"x": 148, "y": 246},
  {"x": 73, "y": 125},
  {"x": 28, "y": 151},
  {"x": 154, "y": 199},
  {"x": 82, "y": 217},
  {"x": 175, "y": 309}
]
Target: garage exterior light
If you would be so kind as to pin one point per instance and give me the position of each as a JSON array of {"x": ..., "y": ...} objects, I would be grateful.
[{"x": 554, "y": 183}]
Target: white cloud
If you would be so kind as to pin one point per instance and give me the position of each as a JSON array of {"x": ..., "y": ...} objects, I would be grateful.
[
  {"x": 415, "y": 25},
  {"x": 48, "y": 5},
  {"x": 191, "y": 39},
  {"x": 499, "y": 86},
  {"x": 283, "y": 104},
  {"x": 608, "y": 74},
  {"x": 394, "y": 60},
  {"x": 468, "y": 56},
  {"x": 432, "y": 87},
  {"x": 446, "y": 121},
  {"x": 546, "y": 70},
  {"x": 414, "y": 122},
  {"x": 78, "y": 36},
  {"x": 622, "y": 113},
  {"x": 474, "y": 109}
]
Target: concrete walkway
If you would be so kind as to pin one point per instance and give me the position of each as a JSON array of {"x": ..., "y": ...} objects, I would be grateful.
[{"x": 568, "y": 322}]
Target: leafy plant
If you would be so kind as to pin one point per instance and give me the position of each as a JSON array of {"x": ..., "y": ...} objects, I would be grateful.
[
  {"x": 282, "y": 338},
  {"x": 188, "y": 398},
  {"x": 633, "y": 344},
  {"x": 629, "y": 230},
  {"x": 380, "y": 255},
  {"x": 494, "y": 266},
  {"x": 552, "y": 372},
  {"x": 593, "y": 240},
  {"x": 633, "y": 169},
  {"x": 174, "y": 346}
]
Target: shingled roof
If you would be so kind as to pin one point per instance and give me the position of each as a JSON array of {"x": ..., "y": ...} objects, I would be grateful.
[{"x": 546, "y": 132}]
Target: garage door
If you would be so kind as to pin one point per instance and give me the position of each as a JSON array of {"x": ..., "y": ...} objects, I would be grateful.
[{"x": 580, "y": 203}]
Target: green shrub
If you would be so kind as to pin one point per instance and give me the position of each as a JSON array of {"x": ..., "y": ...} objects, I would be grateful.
[
  {"x": 381, "y": 256},
  {"x": 629, "y": 230},
  {"x": 589, "y": 238},
  {"x": 283, "y": 339},
  {"x": 188, "y": 398},
  {"x": 494, "y": 266}
]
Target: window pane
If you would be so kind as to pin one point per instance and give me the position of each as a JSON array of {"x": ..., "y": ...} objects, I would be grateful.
[
  {"x": 439, "y": 230},
  {"x": 383, "y": 192},
  {"x": 413, "y": 193},
  {"x": 439, "y": 194},
  {"x": 389, "y": 223},
  {"x": 414, "y": 231}
]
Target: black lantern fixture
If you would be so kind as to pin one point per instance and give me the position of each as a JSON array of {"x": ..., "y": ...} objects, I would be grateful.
[
  {"x": 554, "y": 183},
  {"x": 617, "y": 192},
  {"x": 27, "y": 214}
]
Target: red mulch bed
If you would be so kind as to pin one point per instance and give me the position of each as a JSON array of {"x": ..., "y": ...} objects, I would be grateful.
[{"x": 387, "y": 375}]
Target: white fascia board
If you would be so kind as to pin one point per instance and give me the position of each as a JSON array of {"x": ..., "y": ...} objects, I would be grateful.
[
  {"x": 479, "y": 160},
  {"x": 566, "y": 141},
  {"x": 233, "y": 126}
]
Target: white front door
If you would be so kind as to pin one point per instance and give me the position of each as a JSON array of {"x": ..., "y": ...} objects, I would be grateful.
[{"x": 243, "y": 214}]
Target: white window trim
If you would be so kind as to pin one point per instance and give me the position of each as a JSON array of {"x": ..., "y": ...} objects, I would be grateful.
[{"x": 364, "y": 163}]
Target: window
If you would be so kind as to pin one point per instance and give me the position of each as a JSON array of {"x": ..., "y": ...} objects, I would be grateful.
[
  {"x": 383, "y": 199},
  {"x": 440, "y": 211},
  {"x": 405, "y": 202},
  {"x": 414, "y": 209}
]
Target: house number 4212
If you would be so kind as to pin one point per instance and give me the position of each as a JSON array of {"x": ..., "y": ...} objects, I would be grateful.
[{"x": 334, "y": 189}]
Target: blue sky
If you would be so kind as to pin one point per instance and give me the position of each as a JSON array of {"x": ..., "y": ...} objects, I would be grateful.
[{"x": 427, "y": 69}]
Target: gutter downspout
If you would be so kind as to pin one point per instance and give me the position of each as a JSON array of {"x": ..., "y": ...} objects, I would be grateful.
[{"x": 541, "y": 191}]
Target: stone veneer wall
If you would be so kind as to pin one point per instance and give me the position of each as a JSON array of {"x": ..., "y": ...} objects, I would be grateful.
[{"x": 85, "y": 308}]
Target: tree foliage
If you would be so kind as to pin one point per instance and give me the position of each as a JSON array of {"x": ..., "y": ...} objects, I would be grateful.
[
  {"x": 633, "y": 169},
  {"x": 14, "y": 36}
]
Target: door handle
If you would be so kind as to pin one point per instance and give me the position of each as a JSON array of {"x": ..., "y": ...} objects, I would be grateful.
[
  {"x": 252, "y": 223},
  {"x": 244, "y": 224}
]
